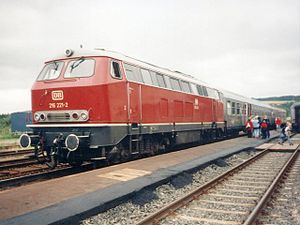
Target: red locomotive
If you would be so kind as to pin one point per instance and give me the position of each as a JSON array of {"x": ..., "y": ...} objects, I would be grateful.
[{"x": 104, "y": 105}]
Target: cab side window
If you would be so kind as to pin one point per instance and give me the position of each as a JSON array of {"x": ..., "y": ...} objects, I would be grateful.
[{"x": 115, "y": 70}]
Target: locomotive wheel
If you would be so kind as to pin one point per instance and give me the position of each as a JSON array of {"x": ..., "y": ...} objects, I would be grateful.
[
  {"x": 124, "y": 153},
  {"x": 76, "y": 163},
  {"x": 74, "y": 160}
]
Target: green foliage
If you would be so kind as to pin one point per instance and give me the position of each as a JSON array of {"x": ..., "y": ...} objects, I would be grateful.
[
  {"x": 287, "y": 102},
  {"x": 295, "y": 98},
  {"x": 5, "y": 132},
  {"x": 4, "y": 120}
]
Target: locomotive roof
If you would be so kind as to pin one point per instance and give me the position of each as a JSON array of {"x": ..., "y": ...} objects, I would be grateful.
[{"x": 116, "y": 55}]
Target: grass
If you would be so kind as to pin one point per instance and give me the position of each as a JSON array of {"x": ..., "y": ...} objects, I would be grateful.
[{"x": 5, "y": 131}]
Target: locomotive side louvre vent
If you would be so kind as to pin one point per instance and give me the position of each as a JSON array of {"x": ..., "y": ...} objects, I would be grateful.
[{"x": 63, "y": 116}]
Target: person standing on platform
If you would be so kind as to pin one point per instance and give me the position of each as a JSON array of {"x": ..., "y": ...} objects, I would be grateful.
[
  {"x": 278, "y": 123},
  {"x": 256, "y": 125},
  {"x": 268, "y": 127},
  {"x": 288, "y": 130},
  {"x": 264, "y": 127},
  {"x": 249, "y": 127}
]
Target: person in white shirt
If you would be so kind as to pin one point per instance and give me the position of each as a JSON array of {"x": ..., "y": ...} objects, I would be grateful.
[
  {"x": 255, "y": 123},
  {"x": 287, "y": 132}
]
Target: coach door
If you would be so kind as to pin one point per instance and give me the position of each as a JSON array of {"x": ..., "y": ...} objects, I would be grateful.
[
  {"x": 249, "y": 110},
  {"x": 134, "y": 103}
]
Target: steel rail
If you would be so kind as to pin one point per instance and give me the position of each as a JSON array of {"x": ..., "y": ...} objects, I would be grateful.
[
  {"x": 16, "y": 152},
  {"x": 264, "y": 199},
  {"x": 171, "y": 208},
  {"x": 17, "y": 163}
]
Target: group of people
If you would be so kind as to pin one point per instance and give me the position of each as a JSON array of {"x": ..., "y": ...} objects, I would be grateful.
[{"x": 260, "y": 128}]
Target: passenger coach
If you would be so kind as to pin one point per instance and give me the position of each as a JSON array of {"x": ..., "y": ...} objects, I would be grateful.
[
  {"x": 104, "y": 105},
  {"x": 295, "y": 112}
]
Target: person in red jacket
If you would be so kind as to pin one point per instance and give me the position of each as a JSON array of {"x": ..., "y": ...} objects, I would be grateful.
[
  {"x": 264, "y": 128},
  {"x": 249, "y": 127},
  {"x": 278, "y": 122}
]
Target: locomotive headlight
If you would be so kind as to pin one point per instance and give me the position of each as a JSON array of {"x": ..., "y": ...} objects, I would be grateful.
[
  {"x": 84, "y": 116},
  {"x": 37, "y": 117},
  {"x": 42, "y": 116},
  {"x": 69, "y": 52},
  {"x": 75, "y": 116}
]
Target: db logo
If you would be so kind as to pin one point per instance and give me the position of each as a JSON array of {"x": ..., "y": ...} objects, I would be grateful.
[{"x": 57, "y": 95}]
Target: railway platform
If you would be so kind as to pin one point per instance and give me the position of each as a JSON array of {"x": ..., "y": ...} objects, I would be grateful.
[
  {"x": 53, "y": 200},
  {"x": 282, "y": 147}
]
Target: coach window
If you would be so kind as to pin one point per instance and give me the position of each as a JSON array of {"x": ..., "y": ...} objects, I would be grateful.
[
  {"x": 185, "y": 86},
  {"x": 175, "y": 84},
  {"x": 146, "y": 76},
  {"x": 161, "y": 81},
  {"x": 228, "y": 107},
  {"x": 238, "y": 108},
  {"x": 133, "y": 73},
  {"x": 81, "y": 67},
  {"x": 115, "y": 70},
  {"x": 232, "y": 108}
]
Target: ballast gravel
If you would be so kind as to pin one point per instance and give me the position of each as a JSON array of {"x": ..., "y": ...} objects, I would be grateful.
[
  {"x": 283, "y": 208},
  {"x": 146, "y": 202}
]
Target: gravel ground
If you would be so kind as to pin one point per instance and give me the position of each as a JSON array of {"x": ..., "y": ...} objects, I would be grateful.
[
  {"x": 219, "y": 193},
  {"x": 149, "y": 201},
  {"x": 283, "y": 208}
]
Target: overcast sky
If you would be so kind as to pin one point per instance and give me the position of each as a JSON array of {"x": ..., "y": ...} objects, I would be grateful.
[{"x": 251, "y": 47}]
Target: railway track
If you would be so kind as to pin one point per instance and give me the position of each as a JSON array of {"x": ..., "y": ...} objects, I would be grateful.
[
  {"x": 16, "y": 163},
  {"x": 26, "y": 174},
  {"x": 16, "y": 152},
  {"x": 235, "y": 197},
  {"x": 283, "y": 206}
]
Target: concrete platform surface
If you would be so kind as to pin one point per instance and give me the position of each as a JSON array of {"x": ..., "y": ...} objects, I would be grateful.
[
  {"x": 53, "y": 200},
  {"x": 283, "y": 147}
]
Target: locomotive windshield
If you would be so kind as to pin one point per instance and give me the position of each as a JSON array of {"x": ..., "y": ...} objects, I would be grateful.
[
  {"x": 80, "y": 68},
  {"x": 51, "y": 71}
]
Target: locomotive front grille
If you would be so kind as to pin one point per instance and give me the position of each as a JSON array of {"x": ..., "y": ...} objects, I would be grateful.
[
  {"x": 58, "y": 117},
  {"x": 61, "y": 116}
]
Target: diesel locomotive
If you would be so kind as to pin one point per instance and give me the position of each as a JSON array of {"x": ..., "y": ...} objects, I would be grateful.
[{"x": 103, "y": 105}]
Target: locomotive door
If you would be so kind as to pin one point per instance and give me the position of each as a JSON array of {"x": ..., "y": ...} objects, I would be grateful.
[
  {"x": 214, "y": 110},
  {"x": 134, "y": 103}
]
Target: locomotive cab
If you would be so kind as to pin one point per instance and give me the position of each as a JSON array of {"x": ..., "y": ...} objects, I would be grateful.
[{"x": 71, "y": 98}]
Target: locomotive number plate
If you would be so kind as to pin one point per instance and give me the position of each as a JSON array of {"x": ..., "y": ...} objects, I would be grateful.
[{"x": 58, "y": 105}]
